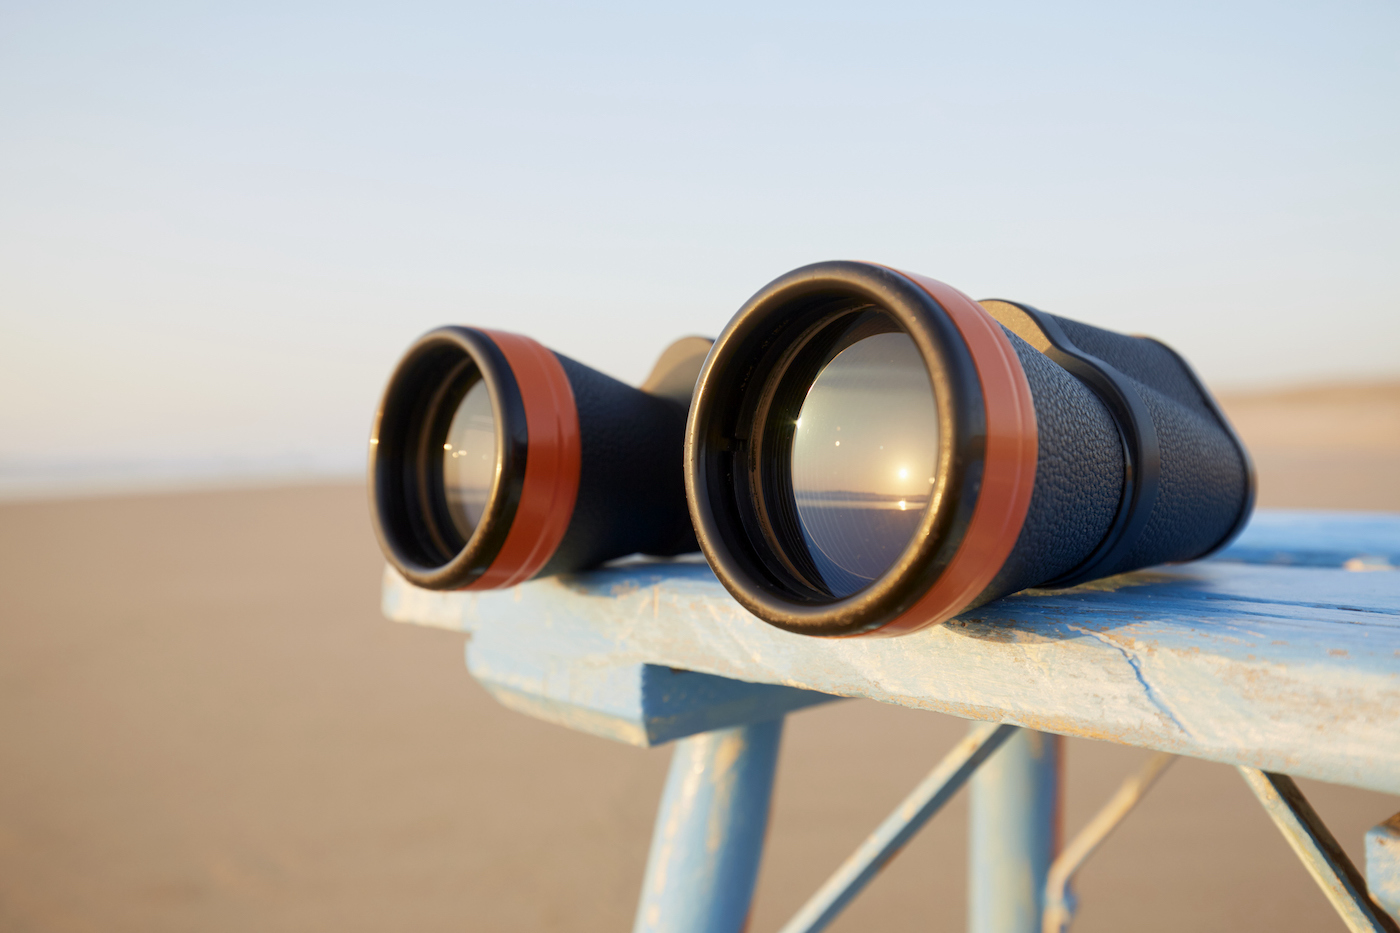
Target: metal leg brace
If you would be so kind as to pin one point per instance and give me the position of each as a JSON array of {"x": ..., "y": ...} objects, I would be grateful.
[
  {"x": 1059, "y": 892},
  {"x": 1319, "y": 852},
  {"x": 898, "y": 828}
]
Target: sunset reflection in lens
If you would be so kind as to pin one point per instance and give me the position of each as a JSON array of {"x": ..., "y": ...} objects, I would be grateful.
[
  {"x": 864, "y": 457},
  {"x": 469, "y": 460}
]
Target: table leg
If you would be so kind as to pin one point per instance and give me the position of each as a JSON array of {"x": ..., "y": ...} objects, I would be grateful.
[
  {"x": 1014, "y": 833},
  {"x": 709, "y": 834}
]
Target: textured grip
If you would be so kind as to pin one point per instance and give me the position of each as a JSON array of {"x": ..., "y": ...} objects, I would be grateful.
[
  {"x": 1148, "y": 362},
  {"x": 1078, "y": 478},
  {"x": 631, "y": 494},
  {"x": 1205, "y": 484},
  {"x": 1195, "y": 488}
]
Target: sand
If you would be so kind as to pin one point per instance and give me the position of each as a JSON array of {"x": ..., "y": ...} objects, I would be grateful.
[
  {"x": 1333, "y": 447},
  {"x": 207, "y": 726}
]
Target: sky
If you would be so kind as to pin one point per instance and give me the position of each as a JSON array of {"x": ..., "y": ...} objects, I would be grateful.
[{"x": 221, "y": 223}]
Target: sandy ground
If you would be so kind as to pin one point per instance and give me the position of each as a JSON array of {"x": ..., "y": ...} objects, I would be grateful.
[
  {"x": 1335, "y": 447},
  {"x": 207, "y": 726}
]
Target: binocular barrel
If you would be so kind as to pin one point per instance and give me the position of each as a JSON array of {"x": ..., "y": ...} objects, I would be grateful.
[
  {"x": 494, "y": 460},
  {"x": 871, "y": 451}
]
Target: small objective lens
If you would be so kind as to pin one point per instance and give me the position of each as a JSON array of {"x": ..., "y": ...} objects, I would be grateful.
[
  {"x": 864, "y": 456},
  {"x": 469, "y": 460}
]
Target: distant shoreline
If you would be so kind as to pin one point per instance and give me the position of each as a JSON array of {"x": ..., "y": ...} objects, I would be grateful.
[
  {"x": 1306, "y": 420},
  {"x": 64, "y": 481}
]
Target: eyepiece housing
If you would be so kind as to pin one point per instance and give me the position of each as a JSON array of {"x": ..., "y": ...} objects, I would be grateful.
[
  {"x": 872, "y": 451},
  {"x": 495, "y": 460}
]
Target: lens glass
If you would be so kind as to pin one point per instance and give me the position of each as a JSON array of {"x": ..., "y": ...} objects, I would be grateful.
[
  {"x": 469, "y": 459},
  {"x": 864, "y": 458}
]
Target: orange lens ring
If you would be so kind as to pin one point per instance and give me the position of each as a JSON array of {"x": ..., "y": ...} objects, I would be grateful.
[
  {"x": 552, "y": 463},
  {"x": 1008, "y": 470}
]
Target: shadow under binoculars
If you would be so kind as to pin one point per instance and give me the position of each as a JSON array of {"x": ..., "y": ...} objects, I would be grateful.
[{"x": 867, "y": 451}]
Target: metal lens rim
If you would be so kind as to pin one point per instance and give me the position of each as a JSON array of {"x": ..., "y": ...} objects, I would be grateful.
[
  {"x": 725, "y": 458},
  {"x": 408, "y": 503}
]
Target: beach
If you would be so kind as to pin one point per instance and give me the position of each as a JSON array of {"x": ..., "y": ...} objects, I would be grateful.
[{"x": 209, "y": 726}]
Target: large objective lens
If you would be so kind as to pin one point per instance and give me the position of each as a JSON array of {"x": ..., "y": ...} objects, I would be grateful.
[
  {"x": 469, "y": 460},
  {"x": 864, "y": 458}
]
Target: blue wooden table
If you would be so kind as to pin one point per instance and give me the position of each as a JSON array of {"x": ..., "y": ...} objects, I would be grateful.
[{"x": 1281, "y": 656}]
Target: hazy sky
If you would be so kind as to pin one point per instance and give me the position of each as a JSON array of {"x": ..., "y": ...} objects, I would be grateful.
[{"x": 221, "y": 223}]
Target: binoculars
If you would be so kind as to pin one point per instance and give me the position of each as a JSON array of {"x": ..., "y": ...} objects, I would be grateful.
[{"x": 866, "y": 452}]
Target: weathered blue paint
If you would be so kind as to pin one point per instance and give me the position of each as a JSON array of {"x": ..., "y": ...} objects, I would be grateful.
[
  {"x": 1013, "y": 834},
  {"x": 708, "y": 840},
  {"x": 1241, "y": 663},
  {"x": 1318, "y": 850},
  {"x": 1383, "y": 864},
  {"x": 641, "y": 704},
  {"x": 899, "y": 827},
  {"x": 1248, "y": 658},
  {"x": 1309, "y": 538}
]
